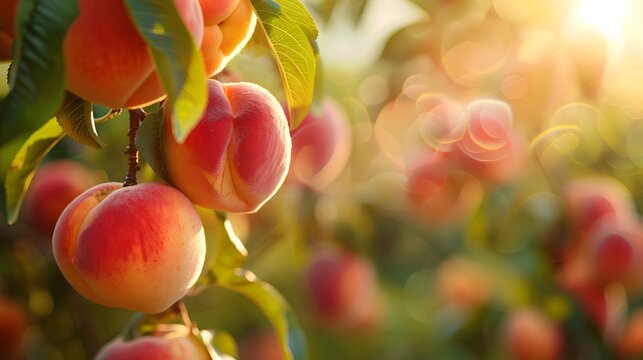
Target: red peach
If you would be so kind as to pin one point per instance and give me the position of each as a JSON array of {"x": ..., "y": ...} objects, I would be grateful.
[
  {"x": 173, "y": 346},
  {"x": 139, "y": 247},
  {"x": 321, "y": 146},
  {"x": 262, "y": 345},
  {"x": 107, "y": 60},
  {"x": 7, "y": 28},
  {"x": 13, "y": 325},
  {"x": 530, "y": 335},
  {"x": 343, "y": 289},
  {"x": 53, "y": 187},
  {"x": 592, "y": 199},
  {"x": 237, "y": 156}
]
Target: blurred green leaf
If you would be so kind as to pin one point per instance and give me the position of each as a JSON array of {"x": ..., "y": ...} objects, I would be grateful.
[
  {"x": 24, "y": 165},
  {"x": 228, "y": 253},
  {"x": 273, "y": 305},
  {"x": 37, "y": 76},
  {"x": 177, "y": 59},
  {"x": 148, "y": 141},
  {"x": 223, "y": 342},
  {"x": 76, "y": 118},
  {"x": 292, "y": 34}
]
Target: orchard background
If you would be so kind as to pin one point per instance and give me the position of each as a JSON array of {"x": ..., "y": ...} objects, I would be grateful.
[{"x": 359, "y": 179}]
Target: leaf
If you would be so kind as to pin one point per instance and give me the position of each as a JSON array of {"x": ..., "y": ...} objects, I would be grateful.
[
  {"x": 228, "y": 253},
  {"x": 148, "y": 141},
  {"x": 76, "y": 118},
  {"x": 273, "y": 305},
  {"x": 177, "y": 60},
  {"x": 24, "y": 165},
  {"x": 37, "y": 75},
  {"x": 291, "y": 34}
]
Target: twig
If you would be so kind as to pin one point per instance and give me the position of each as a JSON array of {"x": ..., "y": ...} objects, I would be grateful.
[{"x": 136, "y": 116}]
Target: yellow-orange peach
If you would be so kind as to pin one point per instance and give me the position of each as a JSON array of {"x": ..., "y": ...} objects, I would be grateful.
[
  {"x": 229, "y": 24},
  {"x": 530, "y": 335},
  {"x": 171, "y": 346},
  {"x": 7, "y": 28},
  {"x": 321, "y": 146},
  {"x": 463, "y": 283},
  {"x": 237, "y": 156},
  {"x": 53, "y": 187},
  {"x": 139, "y": 247},
  {"x": 106, "y": 59}
]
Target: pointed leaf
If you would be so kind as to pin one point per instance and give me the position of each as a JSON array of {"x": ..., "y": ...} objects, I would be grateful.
[
  {"x": 37, "y": 74},
  {"x": 148, "y": 141},
  {"x": 291, "y": 34},
  {"x": 228, "y": 253},
  {"x": 24, "y": 165},
  {"x": 76, "y": 118},
  {"x": 273, "y": 305},
  {"x": 177, "y": 59}
]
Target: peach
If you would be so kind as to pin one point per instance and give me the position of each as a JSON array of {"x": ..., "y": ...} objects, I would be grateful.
[
  {"x": 237, "y": 156},
  {"x": 53, "y": 187},
  {"x": 13, "y": 325},
  {"x": 171, "y": 346},
  {"x": 630, "y": 342},
  {"x": 592, "y": 199},
  {"x": 229, "y": 25},
  {"x": 321, "y": 146},
  {"x": 463, "y": 283},
  {"x": 138, "y": 247},
  {"x": 107, "y": 60},
  {"x": 7, "y": 28},
  {"x": 343, "y": 290},
  {"x": 531, "y": 335},
  {"x": 261, "y": 345}
]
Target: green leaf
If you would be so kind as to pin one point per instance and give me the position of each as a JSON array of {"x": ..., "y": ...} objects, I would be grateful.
[
  {"x": 273, "y": 305},
  {"x": 177, "y": 60},
  {"x": 24, "y": 165},
  {"x": 76, "y": 118},
  {"x": 37, "y": 75},
  {"x": 228, "y": 253},
  {"x": 292, "y": 35},
  {"x": 148, "y": 141}
]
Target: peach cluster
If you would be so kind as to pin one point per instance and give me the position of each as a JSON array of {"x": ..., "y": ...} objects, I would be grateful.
[
  {"x": 238, "y": 154},
  {"x": 108, "y": 62},
  {"x": 139, "y": 247},
  {"x": 467, "y": 149}
]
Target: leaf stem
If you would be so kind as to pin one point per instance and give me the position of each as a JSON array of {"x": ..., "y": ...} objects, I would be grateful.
[{"x": 136, "y": 116}]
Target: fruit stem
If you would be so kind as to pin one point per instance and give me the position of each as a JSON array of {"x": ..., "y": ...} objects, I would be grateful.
[{"x": 136, "y": 116}]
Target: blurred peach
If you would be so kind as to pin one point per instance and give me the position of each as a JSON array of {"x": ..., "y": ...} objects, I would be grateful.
[
  {"x": 13, "y": 325},
  {"x": 261, "y": 345},
  {"x": 630, "y": 342},
  {"x": 464, "y": 283},
  {"x": 530, "y": 335}
]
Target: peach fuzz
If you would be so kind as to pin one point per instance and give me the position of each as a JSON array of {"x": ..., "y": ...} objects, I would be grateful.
[
  {"x": 237, "y": 156},
  {"x": 321, "y": 146},
  {"x": 7, "y": 28},
  {"x": 13, "y": 325},
  {"x": 530, "y": 335},
  {"x": 343, "y": 290},
  {"x": 229, "y": 25},
  {"x": 139, "y": 247},
  {"x": 107, "y": 60},
  {"x": 173, "y": 346},
  {"x": 53, "y": 187}
]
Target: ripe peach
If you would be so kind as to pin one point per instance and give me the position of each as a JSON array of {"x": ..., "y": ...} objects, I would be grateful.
[
  {"x": 237, "y": 156},
  {"x": 321, "y": 146},
  {"x": 172, "y": 346},
  {"x": 531, "y": 335},
  {"x": 463, "y": 283},
  {"x": 630, "y": 343},
  {"x": 7, "y": 28},
  {"x": 261, "y": 345},
  {"x": 343, "y": 290},
  {"x": 592, "y": 199},
  {"x": 229, "y": 25},
  {"x": 139, "y": 247},
  {"x": 13, "y": 324},
  {"x": 107, "y": 60},
  {"x": 53, "y": 187}
]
